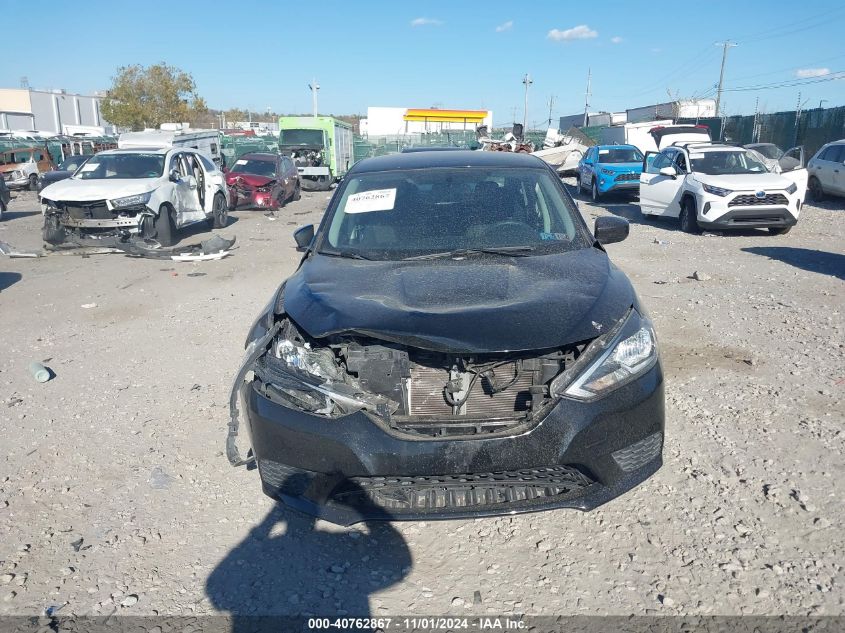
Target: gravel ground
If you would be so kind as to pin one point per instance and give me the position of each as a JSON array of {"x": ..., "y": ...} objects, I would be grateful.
[{"x": 115, "y": 496}]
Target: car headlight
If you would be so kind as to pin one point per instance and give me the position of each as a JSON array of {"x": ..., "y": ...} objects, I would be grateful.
[
  {"x": 792, "y": 188},
  {"x": 716, "y": 191},
  {"x": 319, "y": 363},
  {"x": 132, "y": 201},
  {"x": 623, "y": 354},
  {"x": 608, "y": 172}
]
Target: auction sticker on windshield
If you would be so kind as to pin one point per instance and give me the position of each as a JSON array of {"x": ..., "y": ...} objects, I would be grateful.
[{"x": 367, "y": 201}]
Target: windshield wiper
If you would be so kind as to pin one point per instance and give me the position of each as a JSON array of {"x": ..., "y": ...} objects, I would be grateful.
[
  {"x": 512, "y": 251},
  {"x": 346, "y": 254}
]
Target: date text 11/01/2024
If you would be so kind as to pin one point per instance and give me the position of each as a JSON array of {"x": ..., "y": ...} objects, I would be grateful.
[{"x": 417, "y": 623}]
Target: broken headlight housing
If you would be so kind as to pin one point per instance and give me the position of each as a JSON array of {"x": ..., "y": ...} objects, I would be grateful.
[
  {"x": 624, "y": 353},
  {"x": 132, "y": 201}
]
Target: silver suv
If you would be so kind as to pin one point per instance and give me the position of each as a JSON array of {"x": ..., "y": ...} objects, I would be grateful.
[{"x": 827, "y": 171}]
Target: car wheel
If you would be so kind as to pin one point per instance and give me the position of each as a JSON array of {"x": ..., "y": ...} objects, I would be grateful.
[
  {"x": 53, "y": 232},
  {"x": 2, "y": 209},
  {"x": 33, "y": 182},
  {"x": 219, "y": 212},
  {"x": 297, "y": 192},
  {"x": 164, "y": 226},
  {"x": 324, "y": 183},
  {"x": 595, "y": 194},
  {"x": 816, "y": 191},
  {"x": 689, "y": 223},
  {"x": 781, "y": 230},
  {"x": 147, "y": 227}
]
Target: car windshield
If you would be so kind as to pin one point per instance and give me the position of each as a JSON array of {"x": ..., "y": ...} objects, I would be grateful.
[
  {"x": 111, "y": 166},
  {"x": 620, "y": 155},
  {"x": 253, "y": 166},
  {"x": 723, "y": 163},
  {"x": 769, "y": 151},
  {"x": 434, "y": 212},
  {"x": 301, "y": 137},
  {"x": 72, "y": 163}
]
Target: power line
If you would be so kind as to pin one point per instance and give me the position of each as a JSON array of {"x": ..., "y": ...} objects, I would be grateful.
[
  {"x": 783, "y": 70},
  {"x": 839, "y": 74},
  {"x": 803, "y": 24}
]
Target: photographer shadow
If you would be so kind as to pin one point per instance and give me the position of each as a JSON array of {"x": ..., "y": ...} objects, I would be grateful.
[{"x": 287, "y": 567}]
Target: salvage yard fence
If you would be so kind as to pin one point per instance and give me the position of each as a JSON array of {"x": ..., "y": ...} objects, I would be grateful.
[{"x": 810, "y": 128}]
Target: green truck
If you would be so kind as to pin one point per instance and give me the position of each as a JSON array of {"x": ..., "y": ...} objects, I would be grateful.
[{"x": 321, "y": 148}]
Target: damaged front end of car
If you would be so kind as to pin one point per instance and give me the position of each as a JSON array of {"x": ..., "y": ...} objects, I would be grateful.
[
  {"x": 97, "y": 222},
  {"x": 458, "y": 416}
]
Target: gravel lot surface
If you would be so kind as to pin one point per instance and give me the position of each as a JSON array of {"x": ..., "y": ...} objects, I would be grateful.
[{"x": 115, "y": 496}]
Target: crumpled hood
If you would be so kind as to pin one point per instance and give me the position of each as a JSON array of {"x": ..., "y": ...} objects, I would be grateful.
[
  {"x": 251, "y": 180},
  {"x": 475, "y": 305},
  {"x": 102, "y": 189},
  {"x": 746, "y": 182}
]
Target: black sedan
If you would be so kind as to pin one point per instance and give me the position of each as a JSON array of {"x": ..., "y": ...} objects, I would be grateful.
[
  {"x": 65, "y": 170},
  {"x": 455, "y": 343}
]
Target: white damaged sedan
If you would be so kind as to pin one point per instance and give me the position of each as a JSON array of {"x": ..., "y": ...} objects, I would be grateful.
[{"x": 118, "y": 194}]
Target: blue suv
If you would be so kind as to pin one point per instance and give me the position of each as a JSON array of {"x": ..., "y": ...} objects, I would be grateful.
[{"x": 608, "y": 168}]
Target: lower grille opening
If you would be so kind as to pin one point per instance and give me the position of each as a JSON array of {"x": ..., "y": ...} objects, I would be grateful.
[{"x": 443, "y": 492}]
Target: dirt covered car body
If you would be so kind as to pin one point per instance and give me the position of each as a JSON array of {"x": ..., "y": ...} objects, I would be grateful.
[{"x": 454, "y": 343}]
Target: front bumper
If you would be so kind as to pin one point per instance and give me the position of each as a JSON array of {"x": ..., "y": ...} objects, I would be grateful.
[
  {"x": 355, "y": 468},
  {"x": 252, "y": 199},
  {"x": 756, "y": 217},
  {"x": 18, "y": 183},
  {"x": 606, "y": 186}
]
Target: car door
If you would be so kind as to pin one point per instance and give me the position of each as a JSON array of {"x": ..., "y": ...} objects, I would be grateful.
[
  {"x": 290, "y": 176},
  {"x": 186, "y": 198},
  {"x": 792, "y": 167},
  {"x": 585, "y": 170},
  {"x": 659, "y": 194}
]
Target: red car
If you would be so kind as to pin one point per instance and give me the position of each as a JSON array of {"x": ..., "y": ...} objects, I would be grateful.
[{"x": 262, "y": 181}]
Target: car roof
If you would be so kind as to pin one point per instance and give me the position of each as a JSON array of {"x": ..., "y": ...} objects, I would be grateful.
[
  {"x": 463, "y": 158},
  {"x": 617, "y": 146}
]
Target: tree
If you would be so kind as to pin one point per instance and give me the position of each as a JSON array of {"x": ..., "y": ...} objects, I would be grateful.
[{"x": 149, "y": 96}]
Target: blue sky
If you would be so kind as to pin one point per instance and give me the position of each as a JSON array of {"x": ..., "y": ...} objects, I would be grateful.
[{"x": 450, "y": 54}]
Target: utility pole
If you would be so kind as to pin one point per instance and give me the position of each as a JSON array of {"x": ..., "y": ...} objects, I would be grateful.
[
  {"x": 314, "y": 86},
  {"x": 527, "y": 81},
  {"x": 551, "y": 106},
  {"x": 587, "y": 95},
  {"x": 725, "y": 46}
]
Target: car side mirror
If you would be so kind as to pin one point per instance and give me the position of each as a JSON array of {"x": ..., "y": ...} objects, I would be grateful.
[
  {"x": 304, "y": 235},
  {"x": 174, "y": 175},
  {"x": 671, "y": 172},
  {"x": 609, "y": 230}
]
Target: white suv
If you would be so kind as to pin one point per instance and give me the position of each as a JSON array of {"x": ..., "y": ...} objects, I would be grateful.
[
  {"x": 827, "y": 171},
  {"x": 720, "y": 186},
  {"x": 151, "y": 193}
]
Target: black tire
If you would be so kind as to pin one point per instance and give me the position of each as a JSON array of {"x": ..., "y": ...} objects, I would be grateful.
[
  {"x": 324, "y": 183},
  {"x": 165, "y": 230},
  {"x": 816, "y": 190},
  {"x": 147, "y": 227},
  {"x": 219, "y": 212},
  {"x": 297, "y": 192},
  {"x": 53, "y": 232},
  {"x": 595, "y": 194},
  {"x": 33, "y": 182},
  {"x": 689, "y": 223},
  {"x": 2, "y": 209},
  {"x": 780, "y": 230}
]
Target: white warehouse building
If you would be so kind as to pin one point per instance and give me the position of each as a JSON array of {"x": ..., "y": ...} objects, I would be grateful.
[
  {"x": 388, "y": 121},
  {"x": 51, "y": 111}
]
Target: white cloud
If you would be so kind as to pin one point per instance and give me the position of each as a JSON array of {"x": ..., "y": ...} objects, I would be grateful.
[
  {"x": 580, "y": 32},
  {"x": 426, "y": 22},
  {"x": 616, "y": 40},
  {"x": 507, "y": 26},
  {"x": 812, "y": 72}
]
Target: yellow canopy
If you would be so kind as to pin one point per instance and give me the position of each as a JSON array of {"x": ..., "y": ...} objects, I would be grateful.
[{"x": 445, "y": 116}]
